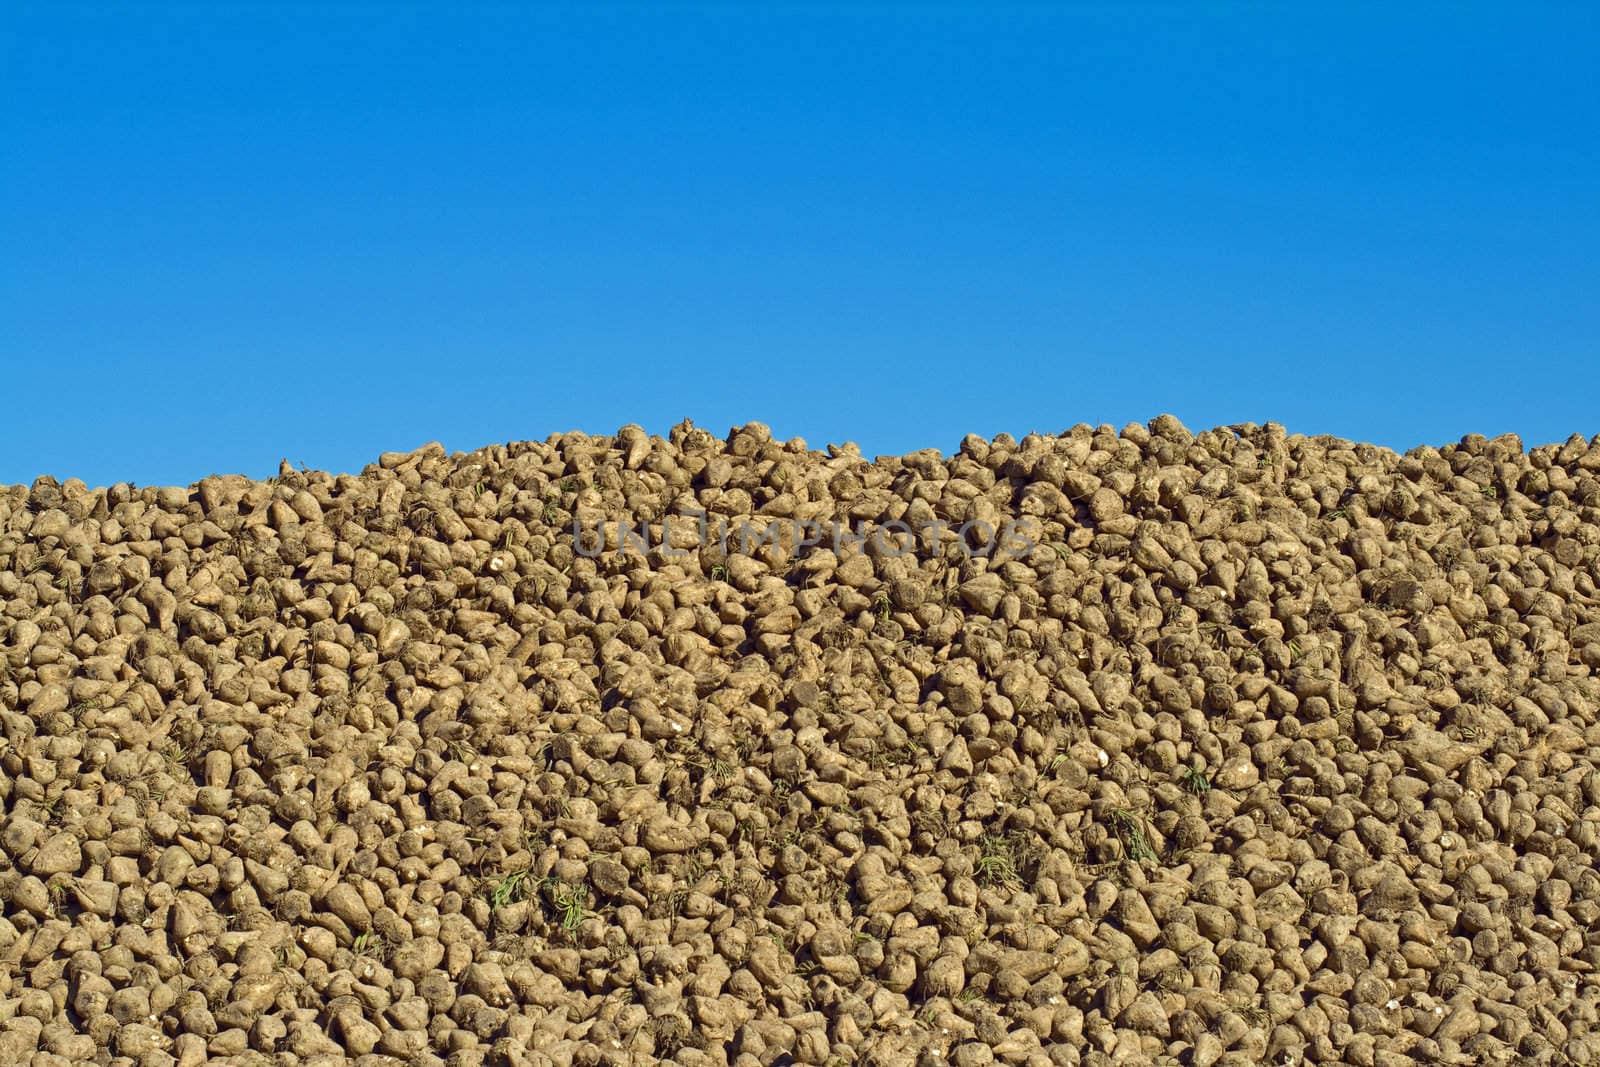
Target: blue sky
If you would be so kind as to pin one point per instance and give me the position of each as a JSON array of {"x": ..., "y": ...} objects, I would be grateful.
[{"x": 236, "y": 233}]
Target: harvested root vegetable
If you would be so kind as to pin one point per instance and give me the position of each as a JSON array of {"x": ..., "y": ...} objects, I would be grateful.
[{"x": 1107, "y": 747}]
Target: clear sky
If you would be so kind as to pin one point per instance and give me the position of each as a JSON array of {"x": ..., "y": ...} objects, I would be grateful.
[{"x": 233, "y": 233}]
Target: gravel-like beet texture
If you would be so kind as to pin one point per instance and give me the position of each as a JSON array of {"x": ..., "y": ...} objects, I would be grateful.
[{"x": 1270, "y": 749}]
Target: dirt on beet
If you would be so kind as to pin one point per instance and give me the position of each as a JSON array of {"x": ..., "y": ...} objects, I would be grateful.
[{"x": 1131, "y": 746}]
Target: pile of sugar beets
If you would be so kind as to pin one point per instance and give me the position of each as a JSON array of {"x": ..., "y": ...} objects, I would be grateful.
[{"x": 1131, "y": 746}]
